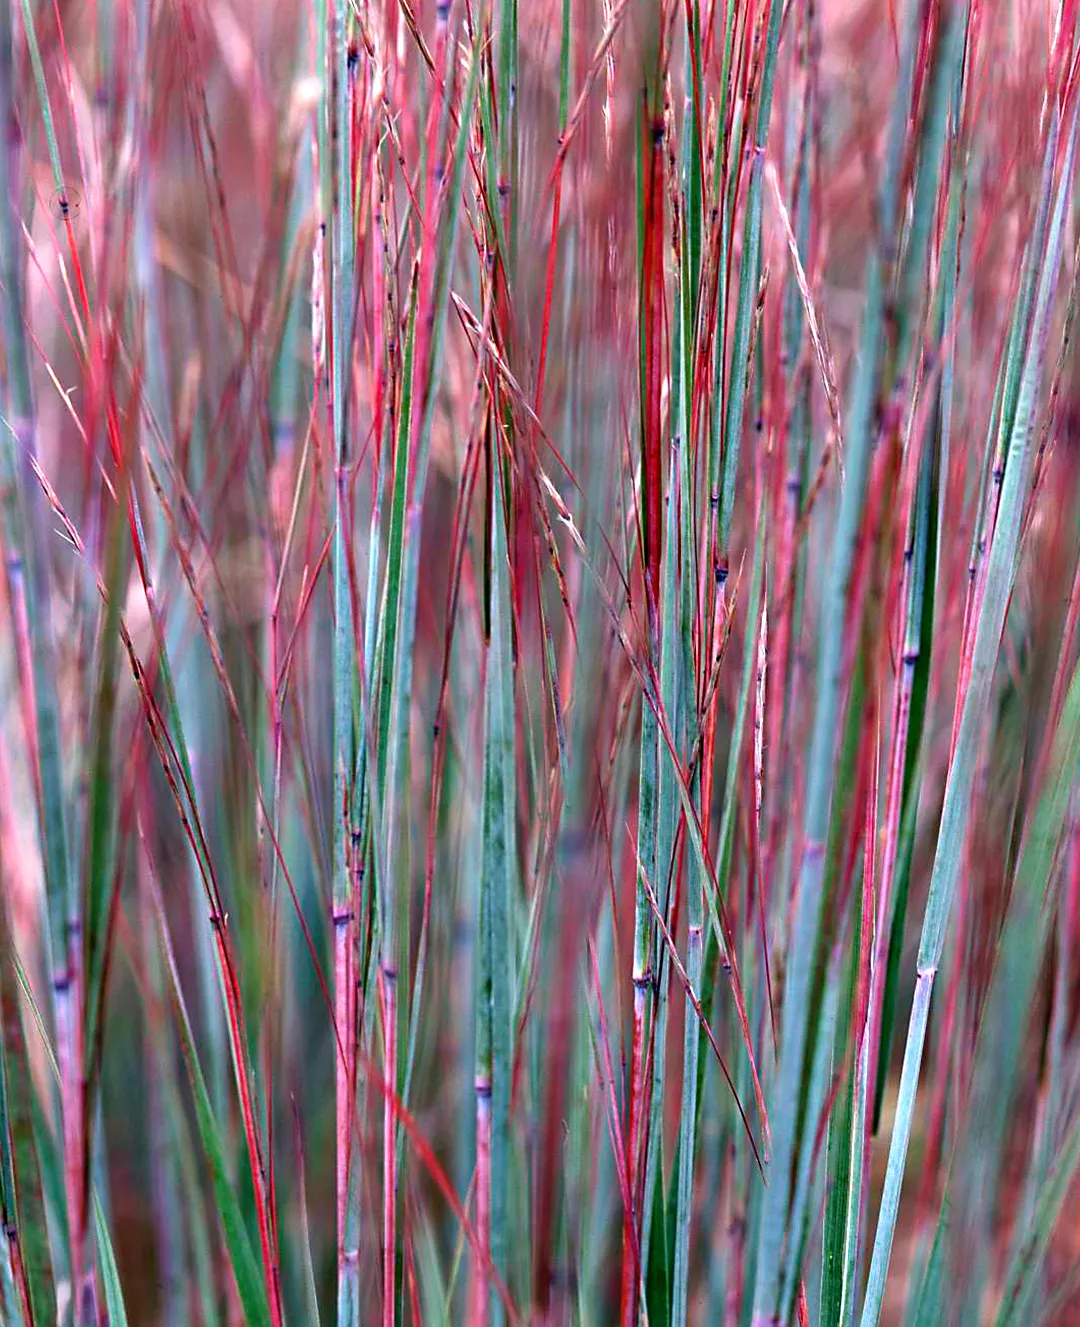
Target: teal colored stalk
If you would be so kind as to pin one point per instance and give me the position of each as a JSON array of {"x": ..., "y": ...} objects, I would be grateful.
[
  {"x": 914, "y": 665},
  {"x": 771, "y": 1267},
  {"x": 748, "y": 284},
  {"x": 191, "y": 713},
  {"x": 922, "y": 570},
  {"x": 44, "y": 103},
  {"x": 832, "y": 1050},
  {"x": 497, "y": 881},
  {"x": 336, "y": 166},
  {"x": 391, "y": 595},
  {"x": 721, "y": 199},
  {"x": 508, "y": 127},
  {"x": 432, "y": 318},
  {"x": 689, "y": 1118},
  {"x": 344, "y": 263},
  {"x": 672, "y": 698},
  {"x": 639, "y": 1109},
  {"x": 680, "y": 498},
  {"x": 647, "y": 818}
]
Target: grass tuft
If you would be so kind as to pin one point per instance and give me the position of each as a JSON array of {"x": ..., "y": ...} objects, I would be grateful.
[{"x": 539, "y": 699}]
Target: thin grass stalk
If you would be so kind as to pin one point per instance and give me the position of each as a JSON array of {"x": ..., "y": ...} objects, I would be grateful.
[
  {"x": 689, "y": 254},
  {"x": 774, "y": 1224},
  {"x": 748, "y": 287},
  {"x": 499, "y": 870},
  {"x": 903, "y": 753},
  {"x": 651, "y": 337},
  {"x": 339, "y": 152},
  {"x": 432, "y": 301},
  {"x": 839, "y": 879},
  {"x": 790, "y": 558},
  {"x": 673, "y": 685},
  {"x": 31, "y": 604},
  {"x": 920, "y": 577}
]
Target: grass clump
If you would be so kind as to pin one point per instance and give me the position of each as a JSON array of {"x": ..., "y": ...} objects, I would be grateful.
[{"x": 539, "y": 701}]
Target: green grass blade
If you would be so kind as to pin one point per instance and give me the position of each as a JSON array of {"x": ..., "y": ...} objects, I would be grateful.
[
  {"x": 1022, "y": 1278},
  {"x": 250, "y": 1284},
  {"x": 110, "y": 1273}
]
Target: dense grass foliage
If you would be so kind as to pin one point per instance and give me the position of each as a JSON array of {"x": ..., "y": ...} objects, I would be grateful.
[{"x": 539, "y": 685}]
